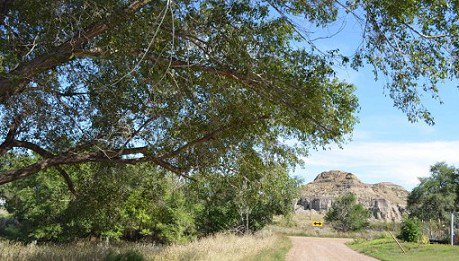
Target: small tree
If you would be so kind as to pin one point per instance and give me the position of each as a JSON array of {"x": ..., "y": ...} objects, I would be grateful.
[
  {"x": 346, "y": 214},
  {"x": 410, "y": 230}
]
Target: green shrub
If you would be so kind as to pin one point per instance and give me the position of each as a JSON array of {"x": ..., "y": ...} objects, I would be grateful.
[
  {"x": 129, "y": 202},
  {"x": 142, "y": 202},
  {"x": 347, "y": 215},
  {"x": 410, "y": 230}
]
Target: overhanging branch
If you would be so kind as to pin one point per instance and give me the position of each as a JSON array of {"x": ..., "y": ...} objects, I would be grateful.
[
  {"x": 99, "y": 156},
  {"x": 18, "y": 78},
  {"x": 46, "y": 154}
]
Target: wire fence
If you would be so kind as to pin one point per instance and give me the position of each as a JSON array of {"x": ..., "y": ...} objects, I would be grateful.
[{"x": 439, "y": 231}]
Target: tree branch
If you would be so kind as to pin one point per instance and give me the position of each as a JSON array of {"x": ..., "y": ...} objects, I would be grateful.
[
  {"x": 6, "y": 144},
  {"x": 424, "y": 35},
  {"x": 113, "y": 155},
  {"x": 99, "y": 156},
  {"x": 46, "y": 154},
  {"x": 22, "y": 74},
  {"x": 207, "y": 137}
]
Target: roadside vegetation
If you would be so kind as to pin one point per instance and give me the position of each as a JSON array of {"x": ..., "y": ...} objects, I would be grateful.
[
  {"x": 347, "y": 215},
  {"x": 141, "y": 212},
  {"x": 387, "y": 249},
  {"x": 301, "y": 225},
  {"x": 144, "y": 213},
  {"x": 216, "y": 247},
  {"x": 429, "y": 207},
  {"x": 143, "y": 203}
]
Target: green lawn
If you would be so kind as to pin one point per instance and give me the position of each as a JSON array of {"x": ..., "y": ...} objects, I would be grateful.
[{"x": 387, "y": 249}]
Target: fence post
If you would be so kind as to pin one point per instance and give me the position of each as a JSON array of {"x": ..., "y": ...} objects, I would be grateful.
[
  {"x": 398, "y": 243},
  {"x": 452, "y": 228}
]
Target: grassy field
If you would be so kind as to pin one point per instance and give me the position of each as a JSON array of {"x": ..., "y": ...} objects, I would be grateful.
[
  {"x": 387, "y": 249},
  {"x": 262, "y": 246}
]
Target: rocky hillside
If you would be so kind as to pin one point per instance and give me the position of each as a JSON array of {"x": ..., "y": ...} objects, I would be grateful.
[{"x": 386, "y": 201}]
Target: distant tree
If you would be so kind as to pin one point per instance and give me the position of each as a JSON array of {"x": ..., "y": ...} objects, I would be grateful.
[
  {"x": 346, "y": 214},
  {"x": 244, "y": 199},
  {"x": 436, "y": 196}
]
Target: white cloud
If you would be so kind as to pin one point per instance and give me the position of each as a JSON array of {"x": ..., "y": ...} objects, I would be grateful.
[{"x": 398, "y": 162}]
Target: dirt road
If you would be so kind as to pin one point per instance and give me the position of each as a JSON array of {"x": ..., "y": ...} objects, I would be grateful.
[{"x": 323, "y": 249}]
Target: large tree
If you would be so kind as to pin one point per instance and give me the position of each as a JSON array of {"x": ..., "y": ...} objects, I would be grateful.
[
  {"x": 187, "y": 84},
  {"x": 437, "y": 195}
]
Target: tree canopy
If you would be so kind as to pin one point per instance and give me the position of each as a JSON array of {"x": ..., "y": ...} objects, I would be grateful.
[
  {"x": 436, "y": 196},
  {"x": 188, "y": 84},
  {"x": 346, "y": 214}
]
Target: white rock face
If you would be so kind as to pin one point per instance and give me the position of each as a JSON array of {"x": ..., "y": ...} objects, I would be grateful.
[{"x": 386, "y": 201}]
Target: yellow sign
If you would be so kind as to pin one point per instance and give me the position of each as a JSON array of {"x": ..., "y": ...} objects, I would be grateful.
[{"x": 317, "y": 223}]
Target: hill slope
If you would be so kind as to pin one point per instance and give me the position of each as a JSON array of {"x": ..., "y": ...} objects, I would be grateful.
[{"x": 386, "y": 201}]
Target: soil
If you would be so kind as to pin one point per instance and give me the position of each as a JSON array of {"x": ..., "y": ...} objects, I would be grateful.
[{"x": 323, "y": 249}]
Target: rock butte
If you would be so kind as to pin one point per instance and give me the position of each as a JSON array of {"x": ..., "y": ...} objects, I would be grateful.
[{"x": 386, "y": 201}]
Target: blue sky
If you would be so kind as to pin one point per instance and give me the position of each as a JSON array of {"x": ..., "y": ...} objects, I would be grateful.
[{"x": 385, "y": 145}]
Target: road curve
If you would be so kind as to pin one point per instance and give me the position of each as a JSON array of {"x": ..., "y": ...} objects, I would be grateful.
[{"x": 323, "y": 249}]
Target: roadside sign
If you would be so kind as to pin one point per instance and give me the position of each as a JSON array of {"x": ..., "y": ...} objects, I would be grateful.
[{"x": 317, "y": 223}]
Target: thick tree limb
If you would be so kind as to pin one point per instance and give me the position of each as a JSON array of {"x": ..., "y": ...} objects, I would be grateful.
[
  {"x": 20, "y": 76},
  {"x": 46, "y": 154},
  {"x": 99, "y": 156},
  {"x": 115, "y": 156}
]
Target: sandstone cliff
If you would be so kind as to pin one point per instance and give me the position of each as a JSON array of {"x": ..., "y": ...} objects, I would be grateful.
[{"x": 386, "y": 201}]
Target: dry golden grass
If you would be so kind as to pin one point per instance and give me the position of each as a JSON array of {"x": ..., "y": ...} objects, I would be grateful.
[
  {"x": 218, "y": 247},
  {"x": 221, "y": 247},
  {"x": 75, "y": 251}
]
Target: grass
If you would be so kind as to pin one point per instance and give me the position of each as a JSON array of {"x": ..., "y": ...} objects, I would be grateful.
[
  {"x": 261, "y": 246},
  {"x": 386, "y": 249},
  {"x": 271, "y": 243},
  {"x": 222, "y": 247},
  {"x": 278, "y": 251},
  {"x": 75, "y": 251}
]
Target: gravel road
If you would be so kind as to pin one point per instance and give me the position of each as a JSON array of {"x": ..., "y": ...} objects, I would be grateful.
[{"x": 323, "y": 249}]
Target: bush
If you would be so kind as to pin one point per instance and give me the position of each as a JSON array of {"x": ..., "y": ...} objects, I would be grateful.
[
  {"x": 347, "y": 215},
  {"x": 410, "y": 230},
  {"x": 142, "y": 202},
  {"x": 128, "y": 202}
]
